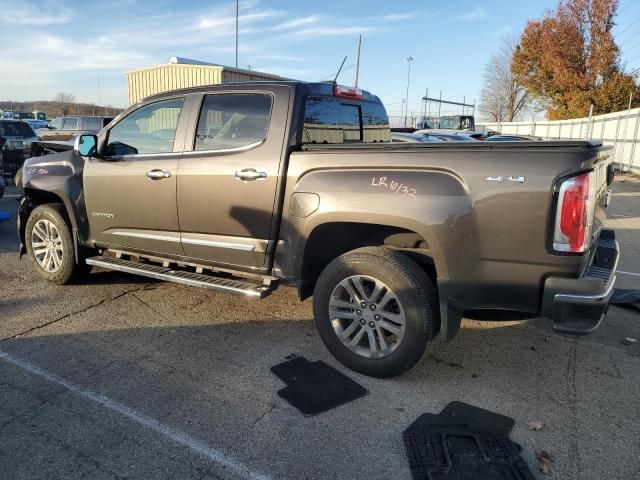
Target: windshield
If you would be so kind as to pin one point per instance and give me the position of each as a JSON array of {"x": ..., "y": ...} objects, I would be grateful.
[{"x": 16, "y": 129}]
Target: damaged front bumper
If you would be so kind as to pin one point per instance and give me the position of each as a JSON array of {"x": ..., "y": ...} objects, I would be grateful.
[{"x": 578, "y": 305}]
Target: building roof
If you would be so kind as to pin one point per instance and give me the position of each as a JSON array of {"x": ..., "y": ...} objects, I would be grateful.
[{"x": 175, "y": 61}]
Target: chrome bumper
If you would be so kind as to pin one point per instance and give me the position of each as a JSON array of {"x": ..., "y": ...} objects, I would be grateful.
[{"x": 578, "y": 305}]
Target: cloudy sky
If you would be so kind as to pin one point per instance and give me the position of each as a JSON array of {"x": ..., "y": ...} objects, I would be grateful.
[{"x": 47, "y": 46}]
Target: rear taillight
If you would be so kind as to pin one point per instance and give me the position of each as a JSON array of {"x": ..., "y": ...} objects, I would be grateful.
[
  {"x": 347, "y": 92},
  {"x": 574, "y": 214}
]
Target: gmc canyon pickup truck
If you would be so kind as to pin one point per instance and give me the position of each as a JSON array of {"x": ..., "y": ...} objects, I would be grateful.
[{"x": 242, "y": 187}]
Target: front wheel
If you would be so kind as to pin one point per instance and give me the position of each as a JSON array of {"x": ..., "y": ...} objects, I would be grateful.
[
  {"x": 50, "y": 245},
  {"x": 375, "y": 309}
]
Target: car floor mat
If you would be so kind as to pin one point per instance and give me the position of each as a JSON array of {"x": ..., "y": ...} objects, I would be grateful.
[
  {"x": 464, "y": 442},
  {"x": 315, "y": 387},
  {"x": 478, "y": 418},
  {"x": 459, "y": 452},
  {"x": 626, "y": 298}
]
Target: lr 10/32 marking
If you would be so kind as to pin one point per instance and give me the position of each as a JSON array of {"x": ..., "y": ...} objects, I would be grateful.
[{"x": 394, "y": 186}]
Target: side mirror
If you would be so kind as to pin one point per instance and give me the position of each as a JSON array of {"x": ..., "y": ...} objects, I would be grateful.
[{"x": 86, "y": 145}]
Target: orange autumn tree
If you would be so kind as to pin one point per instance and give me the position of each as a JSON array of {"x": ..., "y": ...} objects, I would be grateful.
[{"x": 569, "y": 60}]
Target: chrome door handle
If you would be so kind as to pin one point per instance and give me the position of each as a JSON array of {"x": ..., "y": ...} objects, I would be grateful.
[
  {"x": 157, "y": 174},
  {"x": 250, "y": 174}
]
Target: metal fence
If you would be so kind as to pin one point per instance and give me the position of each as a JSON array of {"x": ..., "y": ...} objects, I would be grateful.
[
  {"x": 620, "y": 129},
  {"x": 399, "y": 120}
]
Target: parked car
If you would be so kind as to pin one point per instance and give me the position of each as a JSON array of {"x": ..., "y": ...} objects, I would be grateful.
[
  {"x": 447, "y": 136},
  {"x": 512, "y": 138},
  {"x": 67, "y": 128},
  {"x": 403, "y": 129},
  {"x": 413, "y": 138},
  {"x": 18, "y": 137},
  {"x": 449, "y": 132},
  {"x": 35, "y": 124},
  {"x": 243, "y": 187}
]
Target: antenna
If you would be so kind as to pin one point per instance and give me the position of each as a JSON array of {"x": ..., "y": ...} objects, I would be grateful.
[
  {"x": 358, "y": 61},
  {"x": 335, "y": 80}
]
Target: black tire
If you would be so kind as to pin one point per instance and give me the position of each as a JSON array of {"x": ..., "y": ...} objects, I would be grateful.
[
  {"x": 415, "y": 291},
  {"x": 68, "y": 270}
]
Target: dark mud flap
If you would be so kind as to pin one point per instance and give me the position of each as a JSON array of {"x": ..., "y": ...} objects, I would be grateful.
[{"x": 450, "y": 312}]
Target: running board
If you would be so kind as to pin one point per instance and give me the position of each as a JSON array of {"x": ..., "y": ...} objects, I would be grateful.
[{"x": 211, "y": 282}]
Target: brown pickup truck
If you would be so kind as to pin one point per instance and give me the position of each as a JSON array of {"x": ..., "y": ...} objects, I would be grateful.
[{"x": 242, "y": 187}]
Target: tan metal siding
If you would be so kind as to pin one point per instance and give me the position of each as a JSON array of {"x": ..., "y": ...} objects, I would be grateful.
[{"x": 149, "y": 81}]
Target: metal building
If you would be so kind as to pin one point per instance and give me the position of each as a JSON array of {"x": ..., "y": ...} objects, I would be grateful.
[{"x": 184, "y": 73}]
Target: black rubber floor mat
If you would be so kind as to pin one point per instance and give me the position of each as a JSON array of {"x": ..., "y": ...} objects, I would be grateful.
[
  {"x": 314, "y": 387},
  {"x": 464, "y": 442},
  {"x": 626, "y": 298},
  {"x": 478, "y": 418}
]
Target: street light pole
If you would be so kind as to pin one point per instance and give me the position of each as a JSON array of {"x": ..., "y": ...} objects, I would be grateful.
[
  {"x": 409, "y": 60},
  {"x": 237, "y": 14}
]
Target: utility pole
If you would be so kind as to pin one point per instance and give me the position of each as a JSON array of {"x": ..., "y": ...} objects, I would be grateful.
[
  {"x": 409, "y": 60},
  {"x": 237, "y": 14},
  {"x": 358, "y": 61}
]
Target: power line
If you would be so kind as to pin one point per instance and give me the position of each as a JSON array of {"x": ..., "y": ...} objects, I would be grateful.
[
  {"x": 630, "y": 49},
  {"x": 632, "y": 37},
  {"x": 629, "y": 26},
  {"x": 625, "y": 7},
  {"x": 633, "y": 59}
]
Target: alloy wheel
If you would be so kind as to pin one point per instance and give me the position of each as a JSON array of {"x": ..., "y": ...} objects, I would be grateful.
[{"x": 367, "y": 316}]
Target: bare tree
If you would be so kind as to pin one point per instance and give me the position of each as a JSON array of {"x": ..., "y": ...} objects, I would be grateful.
[
  {"x": 64, "y": 100},
  {"x": 503, "y": 99}
]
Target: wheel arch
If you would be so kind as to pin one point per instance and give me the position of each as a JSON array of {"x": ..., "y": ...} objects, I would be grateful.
[
  {"x": 33, "y": 198},
  {"x": 329, "y": 240}
]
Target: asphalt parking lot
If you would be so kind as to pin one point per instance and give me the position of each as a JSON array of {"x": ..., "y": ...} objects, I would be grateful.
[{"x": 123, "y": 378}]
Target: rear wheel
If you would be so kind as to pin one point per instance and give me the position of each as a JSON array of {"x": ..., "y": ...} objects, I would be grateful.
[
  {"x": 375, "y": 309},
  {"x": 50, "y": 244}
]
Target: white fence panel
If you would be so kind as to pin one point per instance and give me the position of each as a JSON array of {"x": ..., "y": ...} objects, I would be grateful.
[{"x": 619, "y": 129}]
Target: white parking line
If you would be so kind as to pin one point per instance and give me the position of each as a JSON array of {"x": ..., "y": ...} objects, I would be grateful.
[
  {"x": 628, "y": 273},
  {"x": 177, "y": 436},
  {"x": 11, "y": 196}
]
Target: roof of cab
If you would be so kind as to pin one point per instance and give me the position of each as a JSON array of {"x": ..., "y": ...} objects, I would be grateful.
[{"x": 318, "y": 88}]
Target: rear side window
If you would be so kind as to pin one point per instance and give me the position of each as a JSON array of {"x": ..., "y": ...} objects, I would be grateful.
[
  {"x": 335, "y": 120},
  {"x": 232, "y": 121},
  {"x": 70, "y": 123},
  {"x": 92, "y": 123}
]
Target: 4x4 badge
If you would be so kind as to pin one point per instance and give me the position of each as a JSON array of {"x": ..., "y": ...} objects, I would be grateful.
[{"x": 519, "y": 179}]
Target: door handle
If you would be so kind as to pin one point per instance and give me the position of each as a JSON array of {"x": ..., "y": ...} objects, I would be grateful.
[
  {"x": 250, "y": 174},
  {"x": 157, "y": 174}
]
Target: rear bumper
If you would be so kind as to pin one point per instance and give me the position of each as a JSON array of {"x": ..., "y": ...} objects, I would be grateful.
[{"x": 578, "y": 305}]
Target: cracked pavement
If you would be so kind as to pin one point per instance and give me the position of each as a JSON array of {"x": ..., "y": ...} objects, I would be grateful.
[{"x": 197, "y": 362}]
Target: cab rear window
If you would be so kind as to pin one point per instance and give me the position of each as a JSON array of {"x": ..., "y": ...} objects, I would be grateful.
[
  {"x": 338, "y": 120},
  {"x": 16, "y": 129}
]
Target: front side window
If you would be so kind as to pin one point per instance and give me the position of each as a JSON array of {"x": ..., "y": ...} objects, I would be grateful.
[
  {"x": 232, "y": 121},
  {"x": 70, "y": 123},
  {"x": 56, "y": 123},
  {"x": 147, "y": 130}
]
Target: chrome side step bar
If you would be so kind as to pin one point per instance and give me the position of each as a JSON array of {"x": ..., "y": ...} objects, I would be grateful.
[{"x": 193, "y": 279}]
